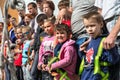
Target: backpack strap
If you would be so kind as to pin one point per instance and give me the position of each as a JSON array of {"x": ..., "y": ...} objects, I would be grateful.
[
  {"x": 98, "y": 63},
  {"x": 81, "y": 68},
  {"x": 62, "y": 73}
]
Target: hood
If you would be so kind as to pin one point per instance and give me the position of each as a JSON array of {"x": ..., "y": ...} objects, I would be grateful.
[{"x": 69, "y": 42}]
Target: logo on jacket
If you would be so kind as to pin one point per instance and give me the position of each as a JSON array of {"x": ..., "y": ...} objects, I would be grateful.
[{"x": 89, "y": 55}]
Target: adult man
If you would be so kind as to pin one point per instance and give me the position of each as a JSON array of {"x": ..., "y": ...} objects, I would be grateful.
[
  {"x": 109, "y": 42},
  {"x": 32, "y": 8}
]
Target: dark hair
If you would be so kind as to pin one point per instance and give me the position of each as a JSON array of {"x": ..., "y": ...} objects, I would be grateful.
[
  {"x": 50, "y": 4},
  {"x": 41, "y": 17},
  {"x": 63, "y": 4},
  {"x": 52, "y": 19},
  {"x": 9, "y": 16},
  {"x": 33, "y": 4},
  {"x": 98, "y": 17},
  {"x": 12, "y": 46},
  {"x": 62, "y": 26},
  {"x": 2, "y": 23}
]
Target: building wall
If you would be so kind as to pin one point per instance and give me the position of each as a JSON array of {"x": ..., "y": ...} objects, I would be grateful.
[{"x": 12, "y": 12}]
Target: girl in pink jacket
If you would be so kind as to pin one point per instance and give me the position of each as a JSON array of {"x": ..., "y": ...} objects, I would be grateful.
[
  {"x": 66, "y": 54},
  {"x": 46, "y": 47}
]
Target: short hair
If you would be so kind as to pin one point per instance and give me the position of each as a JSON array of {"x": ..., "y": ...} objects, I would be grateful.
[
  {"x": 2, "y": 23},
  {"x": 27, "y": 28},
  {"x": 98, "y": 17},
  {"x": 63, "y": 4},
  {"x": 9, "y": 16},
  {"x": 41, "y": 17},
  {"x": 33, "y": 4},
  {"x": 18, "y": 27},
  {"x": 94, "y": 15},
  {"x": 50, "y": 4},
  {"x": 62, "y": 26}
]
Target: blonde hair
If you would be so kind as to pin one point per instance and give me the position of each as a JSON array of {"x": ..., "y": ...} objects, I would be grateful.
[
  {"x": 51, "y": 19},
  {"x": 28, "y": 28}
]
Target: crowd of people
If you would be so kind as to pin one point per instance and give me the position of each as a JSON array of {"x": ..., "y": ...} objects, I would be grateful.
[{"x": 81, "y": 43}]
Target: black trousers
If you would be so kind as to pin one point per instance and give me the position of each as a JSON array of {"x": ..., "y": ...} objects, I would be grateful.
[{"x": 19, "y": 73}]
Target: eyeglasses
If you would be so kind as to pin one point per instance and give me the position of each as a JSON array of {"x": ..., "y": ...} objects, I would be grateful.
[{"x": 26, "y": 33}]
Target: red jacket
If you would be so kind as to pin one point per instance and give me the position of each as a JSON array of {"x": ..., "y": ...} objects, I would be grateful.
[{"x": 18, "y": 58}]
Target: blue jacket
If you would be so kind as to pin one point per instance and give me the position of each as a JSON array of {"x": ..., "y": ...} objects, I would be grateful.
[
  {"x": 111, "y": 56},
  {"x": 26, "y": 46}
]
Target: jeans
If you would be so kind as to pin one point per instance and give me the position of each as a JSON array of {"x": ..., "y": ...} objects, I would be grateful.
[
  {"x": 35, "y": 73},
  {"x": 26, "y": 72},
  {"x": 7, "y": 72}
]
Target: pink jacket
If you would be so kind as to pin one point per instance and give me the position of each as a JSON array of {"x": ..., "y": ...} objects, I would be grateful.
[
  {"x": 68, "y": 58},
  {"x": 46, "y": 45}
]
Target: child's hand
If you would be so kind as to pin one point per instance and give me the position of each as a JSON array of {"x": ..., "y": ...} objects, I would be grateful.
[
  {"x": 44, "y": 67},
  {"x": 29, "y": 67},
  {"x": 39, "y": 67},
  {"x": 18, "y": 41},
  {"x": 48, "y": 69},
  {"x": 84, "y": 45},
  {"x": 18, "y": 51}
]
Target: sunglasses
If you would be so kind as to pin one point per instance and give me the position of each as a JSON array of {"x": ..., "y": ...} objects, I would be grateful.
[{"x": 26, "y": 33}]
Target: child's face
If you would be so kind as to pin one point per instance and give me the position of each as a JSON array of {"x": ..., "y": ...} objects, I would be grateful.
[
  {"x": 93, "y": 28},
  {"x": 48, "y": 28},
  {"x": 61, "y": 36},
  {"x": 26, "y": 33},
  {"x": 27, "y": 20},
  {"x": 19, "y": 33}
]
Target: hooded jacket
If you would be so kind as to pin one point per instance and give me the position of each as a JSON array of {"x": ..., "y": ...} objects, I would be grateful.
[{"x": 67, "y": 59}]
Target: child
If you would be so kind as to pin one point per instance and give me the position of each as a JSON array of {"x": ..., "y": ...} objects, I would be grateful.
[
  {"x": 63, "y": 4},
  {"x": 96, "y": 61},
  {"x": 46, "y": 45},
  {"x": 66, "y": 53},
  {"x": 28, "y": 19},
  {"x": 18, "y": 53},
  {"x": 11, "y": 32},
  {"x": 64, "y": 15},
  {"x": 39, "y": 35},
  {"x": 26, "y": 30}
]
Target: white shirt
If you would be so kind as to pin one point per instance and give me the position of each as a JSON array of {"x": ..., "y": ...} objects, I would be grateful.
[{"x": 109, "y": 8}]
